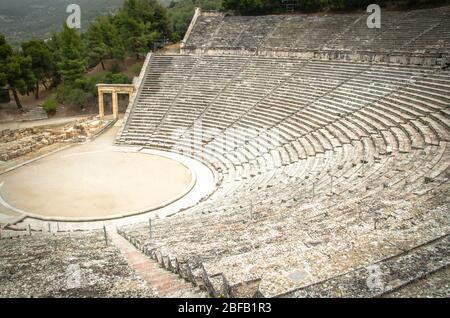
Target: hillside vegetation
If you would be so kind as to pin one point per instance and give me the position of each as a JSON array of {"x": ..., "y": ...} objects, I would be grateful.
[
  {"x": 62, "y": 62},
  {"x": 181, "y": 13},
  {"x": 254, "y": 7},
  {"x": 21, "y": 20}
]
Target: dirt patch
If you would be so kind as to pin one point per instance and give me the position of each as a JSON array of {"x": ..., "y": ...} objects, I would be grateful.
[{"x": 84, "y": 183}]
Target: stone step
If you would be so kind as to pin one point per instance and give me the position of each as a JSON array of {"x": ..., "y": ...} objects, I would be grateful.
[{"x": 164, "y": 283}]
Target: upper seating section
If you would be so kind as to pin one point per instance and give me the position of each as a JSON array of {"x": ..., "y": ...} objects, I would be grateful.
[{"x": 418, "y": 31}]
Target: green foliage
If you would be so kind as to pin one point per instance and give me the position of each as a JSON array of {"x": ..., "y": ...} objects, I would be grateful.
[
  {"x": 181, "y": 13},
  {"x": 79, "y": 98},
  {"x": 115, "y": 68},
  {"x": 253, "y": 7},
  {"x": 41, "y": 57},
  {"x": 83, "y": 90},
  {"x": 135, "y": 29},
  {"x": 5, "y": 49},
  {"x": 6, "y": 52},
  {"x": 72, "y": 95},
  {"x": 141, "y": 23},
  {"x": 15, "y": 71},
  {"x": 136, "y": 68},
  {"x": 88, "y": 84},
  {"x": 69, "y": 54},
  {"x": 62, "y": 91},
  {"x": 50, "y": 106},
  {"x": 23, "y": 20},
  {"x": 102, "y": 40},
  {"x": 116, "y": 78},
  {"x": 54, "y": 45},
  {"x": 41, "y": 60}
]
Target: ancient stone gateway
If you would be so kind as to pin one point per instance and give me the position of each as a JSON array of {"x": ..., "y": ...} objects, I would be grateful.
[{"x": 114, "y": 89}]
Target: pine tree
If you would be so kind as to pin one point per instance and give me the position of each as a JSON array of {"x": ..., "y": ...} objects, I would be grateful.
[
  {"x": 103, "y": 41},
  {"x": 41, "y": 60},
  {"x": 71, "y": 64},
  {"x": 141, "y": 23},
  {"x": 15, "y": 71}
]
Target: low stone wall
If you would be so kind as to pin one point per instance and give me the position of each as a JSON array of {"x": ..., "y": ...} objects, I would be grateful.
[
  {"x": 403, "y": 58},
  {"x": 197, "y": 13},
  {"x": 16, "y": 143}
]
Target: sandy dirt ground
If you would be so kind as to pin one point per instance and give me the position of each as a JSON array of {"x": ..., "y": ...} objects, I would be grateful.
[{"x": 94, "y": 180}]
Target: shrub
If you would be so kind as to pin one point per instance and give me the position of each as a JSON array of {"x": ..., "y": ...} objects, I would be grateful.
[
  {"x": 49, "y": 106},
  {"x": 136, "y": 68},
  {"x": 79, "y": 98},
  {"x": 115, "y": 68},
  {"x": 83, "y": 91},
  {"x": 116, "y": 78},
  {"x": 88, "y": 84},
  {"x": 62, "y": 91},
  {"x": 77, "y": 94}
]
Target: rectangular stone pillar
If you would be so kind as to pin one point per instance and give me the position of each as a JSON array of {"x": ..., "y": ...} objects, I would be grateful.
[
  {"x": 115, "y": 105},
  {"x": 101, "y": 106}
]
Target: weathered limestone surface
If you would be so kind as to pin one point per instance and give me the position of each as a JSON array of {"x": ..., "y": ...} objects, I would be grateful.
[
  {"x": 331, "y": 143},
  {"x": 326, "y": 168},
  {"x": 113, "y": 89},
  {"x": 431, "y": 286},
  {"x": 403, "y": 36},
  {"x": 66, "y": 265}
]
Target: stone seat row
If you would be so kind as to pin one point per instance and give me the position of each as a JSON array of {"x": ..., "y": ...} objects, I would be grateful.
[{"x": 410, "y": 31}]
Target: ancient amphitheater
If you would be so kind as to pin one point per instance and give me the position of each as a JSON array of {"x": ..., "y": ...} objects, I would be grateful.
[{"x": 328, "y": 145}]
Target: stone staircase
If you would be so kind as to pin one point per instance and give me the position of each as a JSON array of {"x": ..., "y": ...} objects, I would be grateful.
[
  {"x": 374, "y": 280},
  {"x": 164, "y": 283},
  {"x": 197, "y": 278}
]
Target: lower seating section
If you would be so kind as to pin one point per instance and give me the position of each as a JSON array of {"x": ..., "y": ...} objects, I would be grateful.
[
  {"x": 431, "y": 286},
  {"x": 327, "y": 168},
  {"x": 288, "y": 247},
  {"x": 76, "y": 264}
]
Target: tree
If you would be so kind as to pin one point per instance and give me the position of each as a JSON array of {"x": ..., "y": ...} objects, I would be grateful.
[
  {"x": 6, "y": 52},
  {"x": 102, "y": 41},
  {"x": 55, "y": 48},
  {"x": 15, "y": 71},
  {"x": 132, "y": 34},
  {"x": 255, "y": 6},
  {"x": 41, "y": 61},
  {"x": 251, "y": 7},
  {"x": 182, "y": 11},
  {"x": 141, "y": 23},
  {"x": 70, "y": 55},
  {"x": 96, "y": 49}
]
